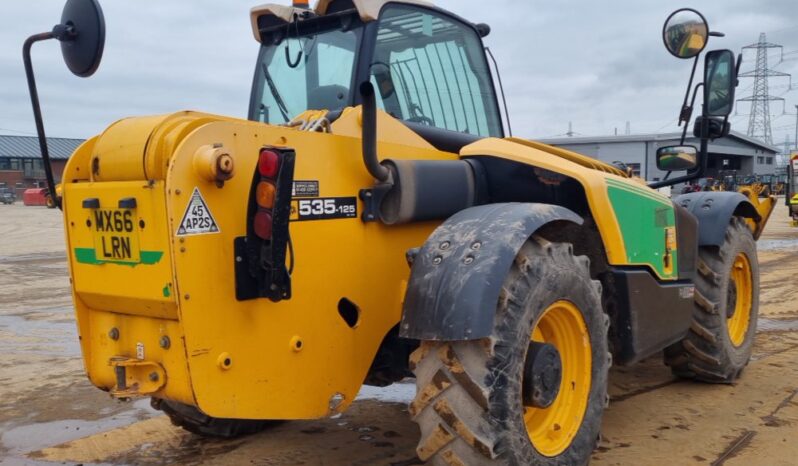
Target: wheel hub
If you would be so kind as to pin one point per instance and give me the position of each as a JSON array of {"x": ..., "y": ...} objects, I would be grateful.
[
  {"x": 739, "y": 300},
  {"x": 731, "y": 299},
  {"x": 542, "y": 375}
]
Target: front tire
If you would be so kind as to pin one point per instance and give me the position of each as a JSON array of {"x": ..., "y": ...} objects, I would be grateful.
[
  {"x": 473, "y": 400},
  {"x": 720, "y": 341}
]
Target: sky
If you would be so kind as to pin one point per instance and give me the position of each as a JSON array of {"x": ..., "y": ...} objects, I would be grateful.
[{"x": 596, "y": 64}]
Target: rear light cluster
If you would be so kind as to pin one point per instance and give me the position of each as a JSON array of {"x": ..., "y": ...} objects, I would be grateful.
[
  {"x": 265, "y": 193},
  {"x": 261, "y": 257}
]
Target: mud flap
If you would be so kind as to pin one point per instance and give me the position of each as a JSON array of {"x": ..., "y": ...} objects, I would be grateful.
[
  {"x": 714, "y": 210},
  {"x": 457, "y": 275}
]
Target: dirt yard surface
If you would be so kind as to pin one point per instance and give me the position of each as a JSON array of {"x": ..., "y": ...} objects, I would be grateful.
[{"x": 50, "y": 413}]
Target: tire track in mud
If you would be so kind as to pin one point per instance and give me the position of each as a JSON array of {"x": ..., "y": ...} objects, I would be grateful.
[
  {"x": 735, "y": 447},
  {"x": 642, "y": 390}
]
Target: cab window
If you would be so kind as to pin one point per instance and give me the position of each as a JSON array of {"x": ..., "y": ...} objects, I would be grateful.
[
  {"x": 430, "y": 69},
  {"x": 307, "y": 71}
]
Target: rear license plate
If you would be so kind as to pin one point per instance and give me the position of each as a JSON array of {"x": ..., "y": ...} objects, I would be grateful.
[{"x": 115, "y": 236}]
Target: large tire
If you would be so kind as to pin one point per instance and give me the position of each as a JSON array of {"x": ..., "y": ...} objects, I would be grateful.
[
  {"x": 469, "y": 393},
  {"x": 197, "y": 422},
  {"x": 718, "y": 346}
]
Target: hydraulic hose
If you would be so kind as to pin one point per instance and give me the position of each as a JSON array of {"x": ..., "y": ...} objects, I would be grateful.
[{"x": 369, "y": 117}]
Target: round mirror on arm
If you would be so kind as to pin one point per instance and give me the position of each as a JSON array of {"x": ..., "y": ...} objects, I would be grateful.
[
  {"x": 82, "y": 36},
  {"x": 685, "y": 33}
]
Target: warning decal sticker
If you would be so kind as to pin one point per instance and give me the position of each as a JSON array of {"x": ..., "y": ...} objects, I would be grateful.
[
  {"x": 305, "y": 188},
  {"x": 198, "y": 219}
]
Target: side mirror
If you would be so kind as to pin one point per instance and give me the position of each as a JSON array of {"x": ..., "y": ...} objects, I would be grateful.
[
  {"x": 685, "y": 33},
  {"x": 677, "y": 158},
  {"x": 82, "y": 36},
  {"x": 83, "y": 49},
  {"x": 716, "y": 127},
  {"x": 720, "y": 79}
]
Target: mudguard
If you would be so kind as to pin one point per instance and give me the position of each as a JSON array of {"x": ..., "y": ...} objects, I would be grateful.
[
  {"x": 714, "y": 210},
  {"x": 457, "y": 275}
]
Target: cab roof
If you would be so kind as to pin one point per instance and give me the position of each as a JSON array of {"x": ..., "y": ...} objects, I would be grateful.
[{"x": 368, "y": 10}]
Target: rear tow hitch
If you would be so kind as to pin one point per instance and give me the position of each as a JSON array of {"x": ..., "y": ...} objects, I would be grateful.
[{"x": 135, "y": 377}]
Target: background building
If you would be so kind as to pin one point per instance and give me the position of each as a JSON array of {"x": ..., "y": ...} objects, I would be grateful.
[
  {"x": 736, "y": 153},
  {"x": 21, "y": 160}
]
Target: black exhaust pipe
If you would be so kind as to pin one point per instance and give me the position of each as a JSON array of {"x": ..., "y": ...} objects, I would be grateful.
[
  {"x": 413, "y": 190},
  {"x": 369, "y": 115}
]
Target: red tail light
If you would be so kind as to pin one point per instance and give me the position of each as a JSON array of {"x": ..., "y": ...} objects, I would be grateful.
[
  {"x": 261, "y": 267},
  {"x": 268, "y": 163},
  {"x": 262, "y": 224},
  {"x": 268, "y": 168}
]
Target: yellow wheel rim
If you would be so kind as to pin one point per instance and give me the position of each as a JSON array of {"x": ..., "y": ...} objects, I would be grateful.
[
  {"x": 737, "y": 324},
  {"x": 551, "y": 430}
]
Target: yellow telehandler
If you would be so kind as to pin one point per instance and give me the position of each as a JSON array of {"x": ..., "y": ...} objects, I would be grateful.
[{"x": 372, "y": 221}]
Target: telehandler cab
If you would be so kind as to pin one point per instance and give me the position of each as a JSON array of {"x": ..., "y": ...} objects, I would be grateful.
[{"x": 372, "y": 221}]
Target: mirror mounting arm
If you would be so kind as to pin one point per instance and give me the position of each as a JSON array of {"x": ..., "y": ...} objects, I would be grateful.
[
  {"x": 80, "y": 18},
  {"x": 64, "y": 32},
  {"x": 37, "y": 112},
  {"x": 687, "y": 111}
]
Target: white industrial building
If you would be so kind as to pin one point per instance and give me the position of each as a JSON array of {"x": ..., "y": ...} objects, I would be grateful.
[{"x": 735, "y": 153}]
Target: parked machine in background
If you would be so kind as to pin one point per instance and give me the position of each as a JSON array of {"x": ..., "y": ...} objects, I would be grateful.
[
  {"x": 779, "y": 184},
  {"x": 7, "y": 195},
  {"x": 791, "y": 189},
  {"x": 38, "y": 197},
  {"x": 373, "y": 221}
]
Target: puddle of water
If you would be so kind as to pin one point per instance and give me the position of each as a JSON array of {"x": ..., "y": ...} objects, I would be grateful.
[
  {"x": 23, "y": 439},
  {"x": 32, "y": 257},
  {"x": 12, "y": 461},
  {"x": 776, "y": 244},
  {"x": 777, "y": 325},
  {"x": 58, "y": 338}
]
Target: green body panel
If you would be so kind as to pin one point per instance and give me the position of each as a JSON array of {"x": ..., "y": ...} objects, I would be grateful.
[{"x": 643, "y": 216}]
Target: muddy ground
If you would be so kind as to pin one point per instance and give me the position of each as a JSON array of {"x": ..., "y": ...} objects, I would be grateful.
[{"x": 50, "y": 414}]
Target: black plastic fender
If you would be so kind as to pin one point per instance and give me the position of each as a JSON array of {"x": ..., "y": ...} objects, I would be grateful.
[
  {"x": 457, "y": 275},
  {"x": 714, "y": 210}
]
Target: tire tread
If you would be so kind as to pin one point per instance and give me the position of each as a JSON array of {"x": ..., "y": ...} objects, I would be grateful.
[
  {"x": 705, "y": 353},
  {"x": 455, "y": 380}
]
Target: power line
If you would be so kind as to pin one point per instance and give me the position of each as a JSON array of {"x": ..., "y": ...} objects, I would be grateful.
[
  {"x": 759, "y": 119},
  {"x": 17, "y": 131}
]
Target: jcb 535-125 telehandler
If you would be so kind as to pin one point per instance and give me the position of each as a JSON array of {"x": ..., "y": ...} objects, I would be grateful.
[{"x": 371, "y": 221}]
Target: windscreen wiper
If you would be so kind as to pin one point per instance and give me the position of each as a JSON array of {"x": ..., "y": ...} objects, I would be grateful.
[{"x": 275, "y": 93}]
